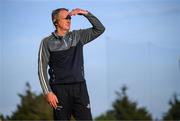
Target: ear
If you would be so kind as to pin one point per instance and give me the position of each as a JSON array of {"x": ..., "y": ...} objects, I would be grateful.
[{"x": 54, "y": 21}]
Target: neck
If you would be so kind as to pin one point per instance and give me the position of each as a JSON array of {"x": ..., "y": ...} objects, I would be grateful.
[{"x": 61, "y": 32}]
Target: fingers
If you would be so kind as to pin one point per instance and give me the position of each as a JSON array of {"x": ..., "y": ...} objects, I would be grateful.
[
  {"x": 53, "y": 103},
  {"x": 56, "y": 100},
  {"x": 78, "y": 11},
  {"x": 52, "y": 100},
  {"x": 73, "y": 12}
]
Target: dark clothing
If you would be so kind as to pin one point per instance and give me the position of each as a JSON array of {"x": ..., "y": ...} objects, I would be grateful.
[
  {"x": 74, "y": 101},
  {"x": 67, "y": 66},
  {"x": 64, "y": 55}
]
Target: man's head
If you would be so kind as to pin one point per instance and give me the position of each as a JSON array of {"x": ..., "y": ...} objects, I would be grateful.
[{"x": 61, "y": 18}]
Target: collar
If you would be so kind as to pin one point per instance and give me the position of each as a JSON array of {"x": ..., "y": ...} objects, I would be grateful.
[{"x": 56, "y": 35}]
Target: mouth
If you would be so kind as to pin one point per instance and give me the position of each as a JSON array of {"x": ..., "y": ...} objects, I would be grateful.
[{"x": 68, "y": 24}]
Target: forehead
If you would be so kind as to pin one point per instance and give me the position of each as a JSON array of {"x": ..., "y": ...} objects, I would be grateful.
[{"x": 63, "y": 13}]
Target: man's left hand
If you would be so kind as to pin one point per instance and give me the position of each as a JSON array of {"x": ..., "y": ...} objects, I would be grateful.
[{"x": 78, "y": 11}]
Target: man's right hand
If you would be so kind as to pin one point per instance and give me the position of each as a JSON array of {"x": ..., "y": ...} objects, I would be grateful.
[{"x": 52, "y": 99}]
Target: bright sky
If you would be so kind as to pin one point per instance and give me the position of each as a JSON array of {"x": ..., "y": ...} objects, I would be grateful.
[{"x": 140, "y": 49}]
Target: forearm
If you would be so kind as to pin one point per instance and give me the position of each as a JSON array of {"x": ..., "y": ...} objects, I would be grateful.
[
  {"x": 98, "y": 27},
  {"x": 89, "y": 34}
]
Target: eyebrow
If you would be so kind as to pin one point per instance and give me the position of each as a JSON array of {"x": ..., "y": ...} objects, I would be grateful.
[{"x": 68, "y": 17}]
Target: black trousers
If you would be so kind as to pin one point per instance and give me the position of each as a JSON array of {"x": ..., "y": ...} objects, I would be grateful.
[{"x": 73, "y": 101}]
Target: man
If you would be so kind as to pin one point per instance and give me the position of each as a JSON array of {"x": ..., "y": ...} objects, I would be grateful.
[{"x": 62, "y": 51}]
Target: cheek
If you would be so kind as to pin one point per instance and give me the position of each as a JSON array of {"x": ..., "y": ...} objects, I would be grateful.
[
  {"x": 63, "y": 24},
  {"x": 60, "y": 23}
]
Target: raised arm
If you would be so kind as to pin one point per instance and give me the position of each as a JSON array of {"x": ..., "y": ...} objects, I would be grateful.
[{"x": 87, "y": 35}]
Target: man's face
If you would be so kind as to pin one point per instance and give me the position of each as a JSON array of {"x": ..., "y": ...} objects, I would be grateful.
[{"x": 64, "y": 20}]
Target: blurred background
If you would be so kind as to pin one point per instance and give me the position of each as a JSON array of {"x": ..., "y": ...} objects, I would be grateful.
[{"x": 138, "y": 55}]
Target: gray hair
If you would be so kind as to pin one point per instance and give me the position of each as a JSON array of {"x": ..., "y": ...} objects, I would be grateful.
[{"x": 55, "y": 14}]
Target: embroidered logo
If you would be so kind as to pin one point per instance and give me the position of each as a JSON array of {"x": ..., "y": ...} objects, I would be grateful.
[
  {"x": 59, "y": 107},
  {"x": 88, "y": 106}
]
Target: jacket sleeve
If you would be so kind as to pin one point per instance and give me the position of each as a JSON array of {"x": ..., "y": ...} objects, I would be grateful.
[
  {"x": 89, "y": 34},
  {"x": 43, "y": 59}
]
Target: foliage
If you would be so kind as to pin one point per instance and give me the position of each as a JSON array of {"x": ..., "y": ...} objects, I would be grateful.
[
  {"x": 32, "y": 107},
  {"x": 1, "y": 117},
  {"x": 124, "y": 109},
  {"x": 174, "y": 111}
]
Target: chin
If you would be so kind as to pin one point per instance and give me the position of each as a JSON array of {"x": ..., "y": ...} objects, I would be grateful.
[{"x": 68, "y": 29}]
